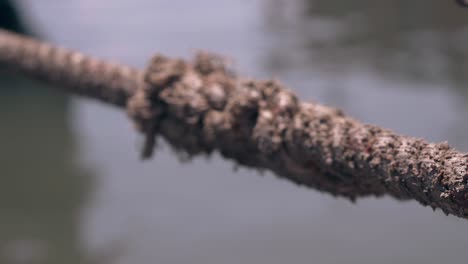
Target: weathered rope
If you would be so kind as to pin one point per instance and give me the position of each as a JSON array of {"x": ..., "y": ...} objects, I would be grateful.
[
  {"x": 84, "y": 75},
  {"x": 201, "y": 106}
]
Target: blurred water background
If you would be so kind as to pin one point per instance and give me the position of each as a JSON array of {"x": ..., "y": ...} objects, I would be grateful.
[{"x": 72, "y": 189}]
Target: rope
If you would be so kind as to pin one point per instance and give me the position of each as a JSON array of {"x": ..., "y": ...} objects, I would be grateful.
[{"x": 202, "y": 106}]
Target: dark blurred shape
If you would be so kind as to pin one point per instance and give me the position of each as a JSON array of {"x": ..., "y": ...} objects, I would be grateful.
[
  {"x": 419, "y": 40},
  {"x": 463, "y": 3},
  {"x": 42, "y": 189},
  {"x": 10, "y": 18}
]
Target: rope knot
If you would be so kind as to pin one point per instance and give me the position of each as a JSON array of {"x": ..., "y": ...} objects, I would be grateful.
[
  {"x": 196, "y": 101},
  {"x": 175, "y": 89}
]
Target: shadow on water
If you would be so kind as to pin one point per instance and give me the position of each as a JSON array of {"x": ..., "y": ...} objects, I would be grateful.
[
  {"x": 412, "y": 40},
  {"x": 42, "y": 190}
]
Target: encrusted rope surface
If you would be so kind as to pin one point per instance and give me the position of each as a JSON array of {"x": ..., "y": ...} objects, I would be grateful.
[{"x": 201, "y": 107}]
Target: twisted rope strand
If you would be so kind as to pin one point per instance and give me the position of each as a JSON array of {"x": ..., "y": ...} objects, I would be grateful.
[{"x": 201, "y": 106}]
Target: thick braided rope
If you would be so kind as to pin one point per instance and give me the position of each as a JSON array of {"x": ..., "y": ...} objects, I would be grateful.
[{"x": 201, "y": 106}]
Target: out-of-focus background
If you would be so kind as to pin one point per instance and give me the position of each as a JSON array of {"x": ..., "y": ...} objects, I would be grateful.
[{"x": 73, "y": 190}]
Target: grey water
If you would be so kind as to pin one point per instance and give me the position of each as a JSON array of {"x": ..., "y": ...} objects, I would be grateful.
[{"x": 72, "y": 187}]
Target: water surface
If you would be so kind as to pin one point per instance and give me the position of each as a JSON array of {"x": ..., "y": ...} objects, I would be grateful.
[{"x": 75, "y": 191}]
